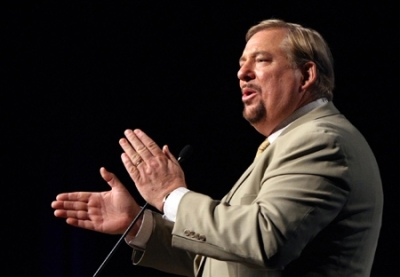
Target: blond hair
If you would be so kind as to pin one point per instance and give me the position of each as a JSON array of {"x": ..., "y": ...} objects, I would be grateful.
[{"x": 303, "y": 45}]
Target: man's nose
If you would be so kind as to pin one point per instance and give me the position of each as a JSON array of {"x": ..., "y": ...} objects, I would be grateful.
[{"x": 246, "y": 73}]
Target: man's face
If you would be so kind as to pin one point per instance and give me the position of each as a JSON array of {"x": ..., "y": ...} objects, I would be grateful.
[{"x": 270, "y": 84}]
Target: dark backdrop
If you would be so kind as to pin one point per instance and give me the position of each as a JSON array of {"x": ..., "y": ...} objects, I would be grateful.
[{"x": 76, "y": 74}]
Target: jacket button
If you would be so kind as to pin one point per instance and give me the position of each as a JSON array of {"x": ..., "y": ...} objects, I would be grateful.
[{"x": 186, "y": 232}]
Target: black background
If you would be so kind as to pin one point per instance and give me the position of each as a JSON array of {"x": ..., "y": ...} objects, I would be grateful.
[{"x": 76, "y": 74}]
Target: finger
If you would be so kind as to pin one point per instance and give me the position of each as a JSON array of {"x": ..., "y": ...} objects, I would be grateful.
[
  {"x": 138, "y": 145},
  {"x": 149, "y": 144},
  {"x": 56, "y": 204},
  {"x": 111, "y": 179},
  {"x": 74, "y": 196},
  {"x": 143, "y": 145},
  {"x": 130, "y": 167},
  {"x": 70, "y": 205},
  {"x": 130, "y": 151},
  {"x": 168, "y": 153},
  {"x": 82, "y": 215},
  {"x": 86, "y": 224}
]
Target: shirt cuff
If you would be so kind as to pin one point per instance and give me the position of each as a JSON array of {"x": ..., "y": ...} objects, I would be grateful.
[
  {"x": 172, "y": 202},
  {"x": 139, "y": 242}
]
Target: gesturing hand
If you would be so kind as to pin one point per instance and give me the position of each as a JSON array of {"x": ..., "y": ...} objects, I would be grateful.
[
  {"x": 155, "y": 171},
  {"x": 108, "y": 212}
]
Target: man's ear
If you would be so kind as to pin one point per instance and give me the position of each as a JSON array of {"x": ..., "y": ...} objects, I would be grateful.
[{"x": 309, "y": 75}]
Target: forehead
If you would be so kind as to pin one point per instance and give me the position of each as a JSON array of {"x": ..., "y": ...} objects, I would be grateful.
[{"x": 265, "y": 40}]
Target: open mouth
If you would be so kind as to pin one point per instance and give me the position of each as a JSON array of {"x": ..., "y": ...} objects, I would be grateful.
[{"x": 248, "y": 93}]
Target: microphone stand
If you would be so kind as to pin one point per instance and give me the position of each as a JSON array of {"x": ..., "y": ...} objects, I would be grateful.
[{"x": 185, "y": 152}]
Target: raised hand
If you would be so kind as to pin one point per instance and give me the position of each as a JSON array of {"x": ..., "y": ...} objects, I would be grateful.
[
  {"x": 108, "y": 212},
  {"x": 155, "y": 171}
]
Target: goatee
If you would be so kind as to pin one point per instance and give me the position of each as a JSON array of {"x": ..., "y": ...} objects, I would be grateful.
[{"x": 255, "y": 114}]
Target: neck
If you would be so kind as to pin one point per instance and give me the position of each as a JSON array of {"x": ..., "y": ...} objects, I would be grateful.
[{"x": 266, "y": 129}]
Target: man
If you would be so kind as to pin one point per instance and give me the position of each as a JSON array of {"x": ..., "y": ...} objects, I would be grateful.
[{"x": 309, "y": 205}]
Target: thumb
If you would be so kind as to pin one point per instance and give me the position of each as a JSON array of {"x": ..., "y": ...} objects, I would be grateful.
[
  {"x": 110, "y": 178},
  {"x": 168, "y": 153}
]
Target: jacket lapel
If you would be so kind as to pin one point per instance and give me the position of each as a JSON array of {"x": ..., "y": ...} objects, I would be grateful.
[
  {"x": 242, "y": 178},
  {"x": 324, "y": 110}
]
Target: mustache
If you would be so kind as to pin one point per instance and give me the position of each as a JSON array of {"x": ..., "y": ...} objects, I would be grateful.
[{"x": 252, "y": 86}]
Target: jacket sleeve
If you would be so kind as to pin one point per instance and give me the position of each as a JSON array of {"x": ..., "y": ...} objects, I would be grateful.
[{"x": 160, "y": 255}]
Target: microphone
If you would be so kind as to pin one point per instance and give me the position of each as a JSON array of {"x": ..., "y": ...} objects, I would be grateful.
[{"x": 183, "y": 155}]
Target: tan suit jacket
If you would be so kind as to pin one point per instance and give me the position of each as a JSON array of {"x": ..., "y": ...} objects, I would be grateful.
[{"x": 310, "y": 205}]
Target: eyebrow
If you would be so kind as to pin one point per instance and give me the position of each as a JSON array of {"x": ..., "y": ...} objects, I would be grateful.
[{"x": 254, "y": 54}]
